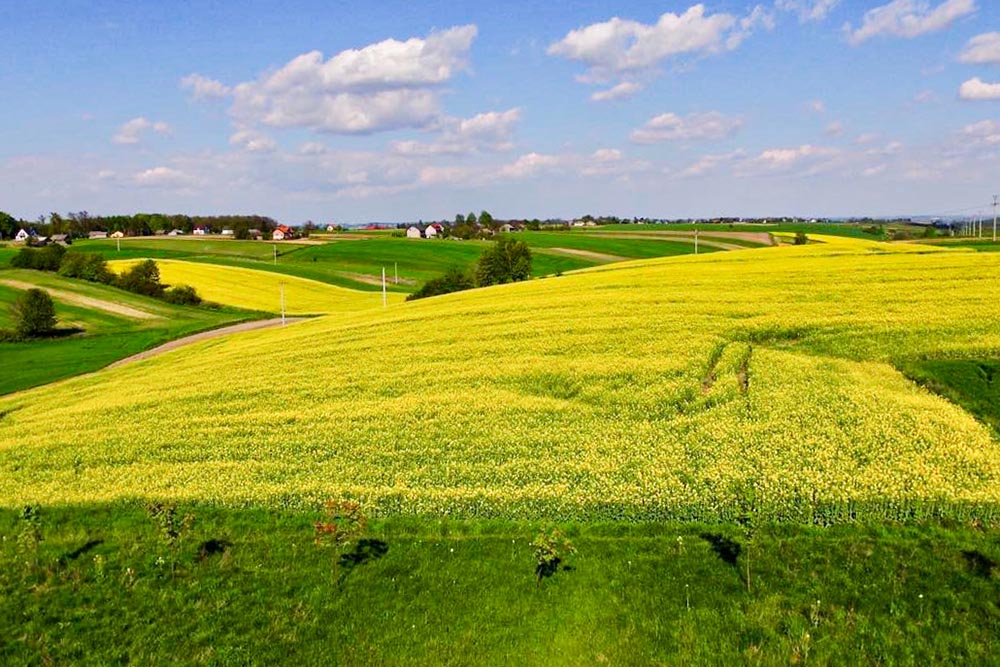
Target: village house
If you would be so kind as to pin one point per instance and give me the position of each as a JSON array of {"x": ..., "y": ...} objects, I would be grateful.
[
  {"x": 200, "y": 231},
  {"x": 22, "y": 236},
  {"x": 118, "y": 235},
  {"x": 97, "y": 235},
  {"x": 414, "y": 232},
  {"x": 62, "y": 239},
  {"x": 283, "y": 233},
  {"x": 228, "y": 232}
]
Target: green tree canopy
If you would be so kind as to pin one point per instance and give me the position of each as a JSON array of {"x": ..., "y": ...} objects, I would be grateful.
[
  {"x": 34, "y": 313},
  {"x": 507, "y": 261}
]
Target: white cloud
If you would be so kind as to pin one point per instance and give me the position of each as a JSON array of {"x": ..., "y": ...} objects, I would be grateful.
[
  {"x": 984, "y": 132},
  {"x": 908, "y": 19},
  {"x": 834, "y": 129},
  {"x": 485, "y": 132},
  {"x": 528, "y": 165},
  {"x": 131, "y": 132},
  {"x": 312, "y": 148},
  {"x": 925, "y": 97},
  {"x": 707, "y": 163},
  {"x": 623, "y": 90},
  {"x": 808, "y": 10},
  {"x": 383, "y": 86},
  {"x": 875, "y": 170},
  {"x": 203, "y": 88},
  {"x": 619, "y": 50},
  {"x": 978, "y": 90},
  {"x": 253, "y": 141},
  {"x": 779, "y": 158},
  {"x": 982, "y": 50},
  {"x": 162, "y": 177},
  {"x": 606, "y": 155},
  {"x": 816, "y": 106},
  {"x": 696, "y": 126}
]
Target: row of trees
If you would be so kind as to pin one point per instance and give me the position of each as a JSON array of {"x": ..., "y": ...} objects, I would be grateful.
[
  {"x": 142, "y": 278},
  {"x": 507, "y": 261},
  {"x": 81, "y": 223}
]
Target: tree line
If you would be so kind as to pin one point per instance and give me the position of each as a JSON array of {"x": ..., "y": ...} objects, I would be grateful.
[
  {"x": 507, "y": 261},
  {"x": 81, "y": 223}
]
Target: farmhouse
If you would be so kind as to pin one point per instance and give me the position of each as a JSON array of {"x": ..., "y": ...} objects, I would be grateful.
[
  {"x": 282, "y": 233},
  {"x": 200, "y": 231},
  {"x": 175, "y": 232},
  {"x": 414, "y": 232},
  {"x": 434, "y": 229},
  {"x": 97, "y": 235},
  {"x": 62, "y": 239},
  {"x": 331, "y": 228},
  {"x": 227, "y": 232},
  {"x": 21, "y": 236},
  {"x": 118, "y": 235}
]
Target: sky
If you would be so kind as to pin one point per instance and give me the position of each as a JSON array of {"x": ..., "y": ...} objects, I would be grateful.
[{"x": 395, "y": 111}]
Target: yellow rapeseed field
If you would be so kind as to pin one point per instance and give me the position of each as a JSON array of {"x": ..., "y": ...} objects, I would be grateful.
[
  {"x": 261, "y": 290},
  {"x": 689, "y": 387}
]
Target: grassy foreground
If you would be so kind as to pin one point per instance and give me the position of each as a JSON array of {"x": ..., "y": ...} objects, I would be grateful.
[{"x": 250, "y": 587}]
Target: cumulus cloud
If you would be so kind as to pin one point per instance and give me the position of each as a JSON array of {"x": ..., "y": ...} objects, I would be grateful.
[
  {"x": 253, "y": 141},
  {"x": 203, "y": 88},
  {"x": 387, "y": 85},
  {"x": 162, "y": 177},
  {"x": 834, "y": 129},
  {"x": 620, "y": 91},
  {"x": 984, "y": 132},
  {"x": 982, "y": 50},
  {"x": 707, "y": 163},
  {"x": 131, "y": 132},
  {"x": 782, "y": 158},
  {"x": 485, "y": 132},
  {"x": 908, "y": 19},
  {"x": 695, "y": 126},
  {"x": 978, "y": 90},
  {"x": 620, "y": 50},
  {"x": 807, "y": 10},
  {"x": 606, "y": 155}
]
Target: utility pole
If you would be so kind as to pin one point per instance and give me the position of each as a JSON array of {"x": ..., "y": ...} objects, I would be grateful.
[
  {"x": 383, "y": 288},
  {"x": 275, "y": 254},
  {"x": 281, "y": 286},
  {"x": 995, "y": 201},
  {"x": 696, "y": 241},
  {"x": 395, "y": 271}
]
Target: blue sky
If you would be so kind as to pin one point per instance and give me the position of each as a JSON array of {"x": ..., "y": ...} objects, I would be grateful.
[{"x": 336, "y": 111}]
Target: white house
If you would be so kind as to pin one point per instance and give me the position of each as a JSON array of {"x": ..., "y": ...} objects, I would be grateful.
[
  {"x": 97, "y": 235},
  {"x": 21, "y": 236},
  {"x": 331, "y": 228},
  {"x": 431, "y": 231},
  {"x": 506, "y": 228},
  {"x": 118, "y": 235},
  {"x": 413, "y": 232},
  {"x": 228, "y": 232},
  {"x": 200, "y": 231},
  {"x": 283, "y": 232}
]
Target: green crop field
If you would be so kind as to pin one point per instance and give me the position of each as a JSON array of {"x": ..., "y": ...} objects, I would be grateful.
[{"x": 106, "y": 336}]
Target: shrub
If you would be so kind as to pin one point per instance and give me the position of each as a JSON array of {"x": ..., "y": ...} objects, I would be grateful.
[
  {"x": 143, "y": 278},
  {"x": 801, "y": 238},
  {"x": 47, "y": 258},
  {"x": 34, "y": 313},
  {"x": 550, "y": 551},
  {"x": 454, "y": 280},
  {"x": 183, "y": 295},
  {"x": 343, "y": 524},
  {"x": 86, "y": 266},
  {"x": 507, "y": 261}
]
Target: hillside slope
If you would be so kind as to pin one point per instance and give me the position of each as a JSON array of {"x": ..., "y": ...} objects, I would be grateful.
[{"x": 692, "y": 387}]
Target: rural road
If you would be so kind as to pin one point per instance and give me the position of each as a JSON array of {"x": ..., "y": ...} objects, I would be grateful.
[
  {"x": 205, "y": 335},
  {"x": 86, "y": 301}
]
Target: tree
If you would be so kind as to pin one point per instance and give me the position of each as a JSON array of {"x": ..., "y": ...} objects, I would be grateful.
[
  {"x": 143, "y": 278},
  {"x": 8, "y": 226},
  {"x": 507, "y": 261},
  {"x": 485, "y": 219},
  {"x": 34, "y": 314},
  {"x": 459, "y": 220},
  {"x": 86, "y": 266},
  {"x": 471, "y": 219},
  {"x": 454, "y": 280}
]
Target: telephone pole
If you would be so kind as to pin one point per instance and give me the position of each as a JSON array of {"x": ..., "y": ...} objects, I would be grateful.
[{"x": 995, "y": 199}]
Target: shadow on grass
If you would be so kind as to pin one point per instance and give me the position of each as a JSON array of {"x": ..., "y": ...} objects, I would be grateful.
[
  {"x": 76, "y": 553},
  {"x": 212, "y": 547},
  {"x": 366, "y": 550},
  {"x": 980, "y": 564},
  {"x": 725, "y": 548}
]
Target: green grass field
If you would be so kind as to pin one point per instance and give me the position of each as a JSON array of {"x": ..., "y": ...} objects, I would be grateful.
[
  {"x": 250, "y": 587},
  {"x": 832, "y": 229},
  {"x": 106, "y": 336}
]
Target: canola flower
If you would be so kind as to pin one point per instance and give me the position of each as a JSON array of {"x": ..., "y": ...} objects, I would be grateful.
[
  {"x": 688, "y": 387},
  {"x": 261, "y": 290}
]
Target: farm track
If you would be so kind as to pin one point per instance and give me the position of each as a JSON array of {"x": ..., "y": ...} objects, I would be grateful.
[
  {"x": 683, "y": 237},
  {"x": 585, "y": 254},
  {"x": 205, "y": 335},
  {"x": 86, "y": 301}
]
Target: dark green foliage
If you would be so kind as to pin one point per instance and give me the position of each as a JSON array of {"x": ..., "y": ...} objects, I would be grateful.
[
  {"x": 86, "y": 266},
  {"x": 550, "y": 550},
  {"x": 507, "y": 261},
  {"x": 182, "y": 295},
  {"x": 454, "y": 280},
  {"x": 974, "y": 384},
  {"x": 47, "y": 258},
  {"x": 249, "y": 589},
  {"x": 142, "y": 278},
  {"x": 34, "y": 313},
  {"x": 801, "y": 238}
]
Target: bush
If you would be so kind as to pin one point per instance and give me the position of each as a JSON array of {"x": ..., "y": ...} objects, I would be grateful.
[
  {"x": 507, "y": 261},
  {"x": 801, "y": 238},
  {"x": 47, "y": 258},
  {"x": 454, "y": 280},
  {"x": 34, "y": 313},
  {"x": 86, "y": 266},
  {"x": 182, "y": 295},
  {"x": 143, "y": 278}
]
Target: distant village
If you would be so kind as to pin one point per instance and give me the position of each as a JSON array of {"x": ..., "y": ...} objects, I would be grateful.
[{"x": 60, "y": 229}]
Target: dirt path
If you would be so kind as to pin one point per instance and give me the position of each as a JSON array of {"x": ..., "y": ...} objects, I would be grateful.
[
  {"x": 86, "y": 301},
  {"x": 682, "y": 237},
  {"x": 588, "y": 254},
  {"x": 205, "y": 335}
]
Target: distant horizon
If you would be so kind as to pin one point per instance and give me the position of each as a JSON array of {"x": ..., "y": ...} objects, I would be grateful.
[{"x": 678, "y": 110}]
